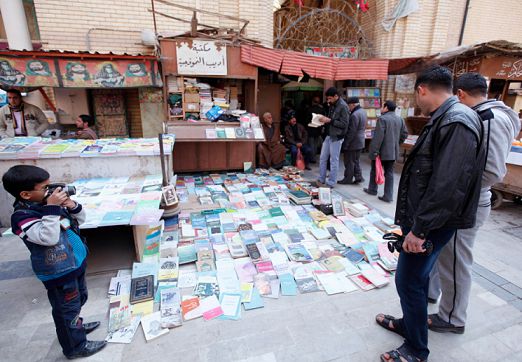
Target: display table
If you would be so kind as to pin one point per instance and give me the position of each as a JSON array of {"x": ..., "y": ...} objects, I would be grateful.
[
  {"x": 216, "y": 154},
  {"x": 69, "y": 169}
]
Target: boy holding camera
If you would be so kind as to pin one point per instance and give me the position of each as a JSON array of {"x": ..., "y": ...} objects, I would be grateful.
[{"x": 47, "y": 221}]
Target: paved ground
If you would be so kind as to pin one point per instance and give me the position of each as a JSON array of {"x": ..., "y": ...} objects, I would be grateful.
[{"x": 311, "y": 327}]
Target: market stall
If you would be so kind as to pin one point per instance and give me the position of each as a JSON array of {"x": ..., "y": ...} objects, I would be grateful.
[{"x": 205, "y": 75}]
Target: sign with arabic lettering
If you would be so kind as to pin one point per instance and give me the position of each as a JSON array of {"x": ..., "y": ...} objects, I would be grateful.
[{"x": 202, "y": 57}]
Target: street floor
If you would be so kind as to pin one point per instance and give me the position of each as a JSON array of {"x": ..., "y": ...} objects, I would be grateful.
[{"x": 309, "y": 327}]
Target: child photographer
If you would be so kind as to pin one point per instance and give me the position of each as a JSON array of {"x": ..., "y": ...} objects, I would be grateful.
[{"x": 48, "y": 221}]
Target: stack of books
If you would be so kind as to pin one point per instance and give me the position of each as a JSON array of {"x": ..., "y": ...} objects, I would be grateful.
[{"x": 299, "y": 197}]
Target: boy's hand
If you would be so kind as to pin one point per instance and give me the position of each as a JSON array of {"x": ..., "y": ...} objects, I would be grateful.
[
  {"x": 70, "y": 204},
  {"x": 57, "y": 198}
]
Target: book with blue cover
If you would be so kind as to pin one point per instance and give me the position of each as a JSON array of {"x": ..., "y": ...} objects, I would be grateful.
[{"x": 255, "y": 301}]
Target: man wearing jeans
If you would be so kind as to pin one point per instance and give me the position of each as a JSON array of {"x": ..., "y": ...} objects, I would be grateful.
[
  {"x": 390, "y": 132},
  {"x": 336, "y": 126},
  {"x": 451, "y": 277},
  {"x": 438, "y": 194}
]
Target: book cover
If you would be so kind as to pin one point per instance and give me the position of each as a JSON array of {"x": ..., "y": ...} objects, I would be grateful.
[
  {"x": 375, "y": 278},
  {"x": 119, "y": 317},
  {"x": 230, "y": 132},
  {"x": 255, "y": 302},
  {"x": 246, "y": 292},
  {"x": 258, "y": 134},
  {"x": 142, "y": 289},
  {"x": 210, "y": 307},
  {"x": 230, "y": 305},
  {"x": 168, "y": 269},
  {"x": 362, "y": 282},
  {"x": 240, "y": 132},
  {"x": 297, "y": 252},
  {"x": 170, "y": 308},
  {"x": 125, "y": 334},
  {"x": 206, "y": 286},
  {"x": 151, "y": 325},
  {"x": 288, "y": 284},
  {"x": 143, "y": 308},
  {"x": 187, "y": 279},
  {"x": 190, "y": 308},
  {"x": 262, "y": 283},
  {"x": 211, "y": 133}
]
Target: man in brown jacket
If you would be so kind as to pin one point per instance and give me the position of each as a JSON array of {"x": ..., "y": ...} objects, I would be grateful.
[
  {"x": 270, "y": 153},
  {"x": 296, "y": 138},
  {"x": 84, "y": 130}
]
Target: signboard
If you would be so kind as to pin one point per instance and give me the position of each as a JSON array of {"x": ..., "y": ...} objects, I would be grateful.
[
  {"x": 77, "y": 73},
  {"x": 405, "y": 83},
  {"x": 202, "y": 57},
  {"x": 509, "y": 68},
  {"x": 466, "y": 66},
  {"x": 333, "y": 52}
]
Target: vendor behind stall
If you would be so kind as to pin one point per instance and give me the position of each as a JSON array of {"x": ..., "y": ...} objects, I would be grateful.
[
  {"x": 84, "y": 130},
  {"x": 20, "y": 119}
]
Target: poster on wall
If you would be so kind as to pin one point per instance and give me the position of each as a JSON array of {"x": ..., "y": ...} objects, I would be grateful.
[
  {"x": 405, "y": 83},
  {"x": 77, "y": 73},
  {"x": 21, "y": 72},
  {"x": 202, "y": 57},
  {"x": 333, "y": 52}
]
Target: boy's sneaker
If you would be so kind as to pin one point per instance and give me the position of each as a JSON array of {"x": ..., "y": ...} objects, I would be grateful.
[{"x": 90, "y": 348}]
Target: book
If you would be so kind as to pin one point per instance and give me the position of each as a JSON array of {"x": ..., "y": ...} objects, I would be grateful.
[
  {"x": 143, "y": 308},
  {"x": 325, "y": 195},
  {"x": 210, "y": 307},
  {"x": 330, "y": 282},
  {"x": 125, "y": 334},
  {"x": 206, "y": 286},
  {"x": 230, "y": 305},
  {"x": 168, "y": 268},
  {"x": 211, "y": 133},
  {"x": 187, "y": 279},
  {"x": 120, "y": 285},
  {"x": 240, "y": 132},
  {"x": 375, "y": 278},
  {"x": 255, "y": 302},
  {"x": 151, "y": 325},
  {"x": 288, "y": 284},
  {"x": 119, "y": 317},
  {"x": 362, "y": 282},
  {"x": 190, "y": 307},
  {"x": 170, "y": 308},
  {"x": 246, "y": 292},
  {"x": 262, "y": 284},
  {"x": 230, "y": 132},
  {"x": 258, "y": 134},
  {"x": 297, "y": 252},
  {"x": 142, "y": 289}
]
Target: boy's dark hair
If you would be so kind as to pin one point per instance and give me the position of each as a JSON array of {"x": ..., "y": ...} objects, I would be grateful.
[
  {"x": 87, "y": 119},
  {"x": 436, "y": 77},
  {"x": 473, "y": 84},
  {"x": 14, "y": 91},
  {"x": 332, "y": 92},
  {"x": 23, "y": 178},
  {"x": 390, "y": 105}
]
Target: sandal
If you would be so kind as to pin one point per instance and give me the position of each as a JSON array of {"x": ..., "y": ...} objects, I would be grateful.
[
  {"x": 385, "y": 323},
  {"x": 401, "y": 354},
  {"x": 437, "y": 324}
]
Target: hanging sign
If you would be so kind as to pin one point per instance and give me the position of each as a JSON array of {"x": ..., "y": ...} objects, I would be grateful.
[
  {"x": 333, "y": 52},
  {"x": 202, "y": 57}
]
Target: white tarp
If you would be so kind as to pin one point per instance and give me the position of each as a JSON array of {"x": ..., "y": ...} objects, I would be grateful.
[{"x": 402, "y": 9}]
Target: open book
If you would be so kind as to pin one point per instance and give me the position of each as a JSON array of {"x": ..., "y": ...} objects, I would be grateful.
[{"x": 316, "y": 121}]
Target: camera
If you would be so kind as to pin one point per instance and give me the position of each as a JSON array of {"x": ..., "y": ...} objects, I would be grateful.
[
  {"x": 395, "y": 242},
  {"x": 69, "y": 190}
]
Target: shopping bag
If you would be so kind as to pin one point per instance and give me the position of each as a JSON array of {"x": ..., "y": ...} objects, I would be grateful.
[
  {"x": 299, "y": 161},
  {"x": 379, "y": 171}
]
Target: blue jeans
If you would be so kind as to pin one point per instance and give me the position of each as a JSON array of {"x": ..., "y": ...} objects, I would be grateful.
[
  {"x": 412, "y": 281},
  {"x": 306, "y": 151},
  {"x": 331, "y": 150},
  {"x": 66, "y": 302}
]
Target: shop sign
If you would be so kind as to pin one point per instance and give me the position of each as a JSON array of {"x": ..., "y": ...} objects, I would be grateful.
[
  {"x": 201, "y": 57},
  {"x": 467, "y": 66},
  {"x": 333, "y": 52},
  {"x": 77, "y": 73},
  {"x": 509, "y": 68},
  {"x": 405, "y": 83}
]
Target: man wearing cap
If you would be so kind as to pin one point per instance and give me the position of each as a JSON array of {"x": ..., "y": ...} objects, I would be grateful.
[{"x": 354, "y": 143}]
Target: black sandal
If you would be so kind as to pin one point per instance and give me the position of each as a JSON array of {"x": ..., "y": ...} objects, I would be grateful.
[
  {"x": 401, "y": 354},
  {"x": 385, "y": 323}
]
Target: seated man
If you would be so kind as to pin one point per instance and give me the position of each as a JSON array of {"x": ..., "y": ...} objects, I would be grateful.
[
  {"x": 84, "y": 130},
  {"x": 296, "y": 137},
  {"x": 270, "y": 153}
]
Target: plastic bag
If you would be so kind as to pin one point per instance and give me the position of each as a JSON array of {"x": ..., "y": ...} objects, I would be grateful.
[
  {"x": 379, "y": 171},
  {"x": 299, "y": 160}
]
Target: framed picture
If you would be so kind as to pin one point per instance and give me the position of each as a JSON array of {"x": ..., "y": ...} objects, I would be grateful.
[
  {"x": 338, "y": 206},
  {"x": 169, "y": 195}
]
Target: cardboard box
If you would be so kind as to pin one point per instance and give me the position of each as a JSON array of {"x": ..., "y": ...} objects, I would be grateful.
[{"x": 191, "y": 97}]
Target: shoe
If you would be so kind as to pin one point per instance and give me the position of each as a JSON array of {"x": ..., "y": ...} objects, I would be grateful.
[
  {"x": 359, "y": 180},
  {"x": 432, "y": 300},
  {"x": 369, "y": 192},
  {"x": 382, "y": 198},
  {"x": 89, "y": 327},
  {"x": 344, "y": 182},
  {"x": 90, "y": 348},
  {"x": 436, "y": 324}
]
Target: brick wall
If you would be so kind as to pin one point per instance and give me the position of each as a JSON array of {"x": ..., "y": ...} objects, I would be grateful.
[{"x": 77, "y": 25}]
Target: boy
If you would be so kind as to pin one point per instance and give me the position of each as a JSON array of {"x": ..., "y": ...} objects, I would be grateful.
[{"x": 48, "y": 225}]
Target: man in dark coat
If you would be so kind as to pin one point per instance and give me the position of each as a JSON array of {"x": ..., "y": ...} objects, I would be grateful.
[
  {"x": 354, "y": 143},
  {"x": 390, "y": 132},
  {"x": 438, "y": 193},
  {"x": 295, "y": 138},
  {"x": 315, "y": 138}
]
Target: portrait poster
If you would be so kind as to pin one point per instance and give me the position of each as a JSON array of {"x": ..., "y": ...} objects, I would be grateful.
[{"x": 27, "y": 72}]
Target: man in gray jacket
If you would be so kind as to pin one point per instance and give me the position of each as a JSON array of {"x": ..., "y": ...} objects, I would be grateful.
[
  {"x": 451, "y": 276},
  {"x": 21, "y": 119},
  {"x": 354, "y": 143},
  {"x": 390, "y": 132}
]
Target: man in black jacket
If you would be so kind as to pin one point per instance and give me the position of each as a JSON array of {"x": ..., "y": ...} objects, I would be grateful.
[
  {"x": 438, "y": 193},
  {"x": 354, "y": 143}
]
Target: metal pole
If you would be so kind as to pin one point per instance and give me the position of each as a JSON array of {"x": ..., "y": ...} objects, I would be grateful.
[
  {"x": 461, "y": 37},
  {"x": 162, "y": 156},
  {"x": 154, "y": 18}
]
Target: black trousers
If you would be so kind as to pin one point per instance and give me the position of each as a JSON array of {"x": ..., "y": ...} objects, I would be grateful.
[
  {"x": 388, "y": 179},
  {"x": 352, "y": 169},
  {"x": 66, "y": 302}
]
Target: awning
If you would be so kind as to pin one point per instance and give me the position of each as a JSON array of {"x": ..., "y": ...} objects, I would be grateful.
[
  {"x": 289, "y": 62},
  {"x": 32, "y": 69}
]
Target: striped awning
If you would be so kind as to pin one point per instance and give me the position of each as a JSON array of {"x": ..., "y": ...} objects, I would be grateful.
[{"x": 295, "y": 63}]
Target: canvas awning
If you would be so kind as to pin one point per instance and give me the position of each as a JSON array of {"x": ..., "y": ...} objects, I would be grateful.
[
  {"x": 289, "y": 62},
  {"x": 33, "y": 69}
]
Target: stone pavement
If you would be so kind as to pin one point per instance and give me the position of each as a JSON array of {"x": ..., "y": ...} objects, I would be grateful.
[{"x": 310, "y": 327}]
